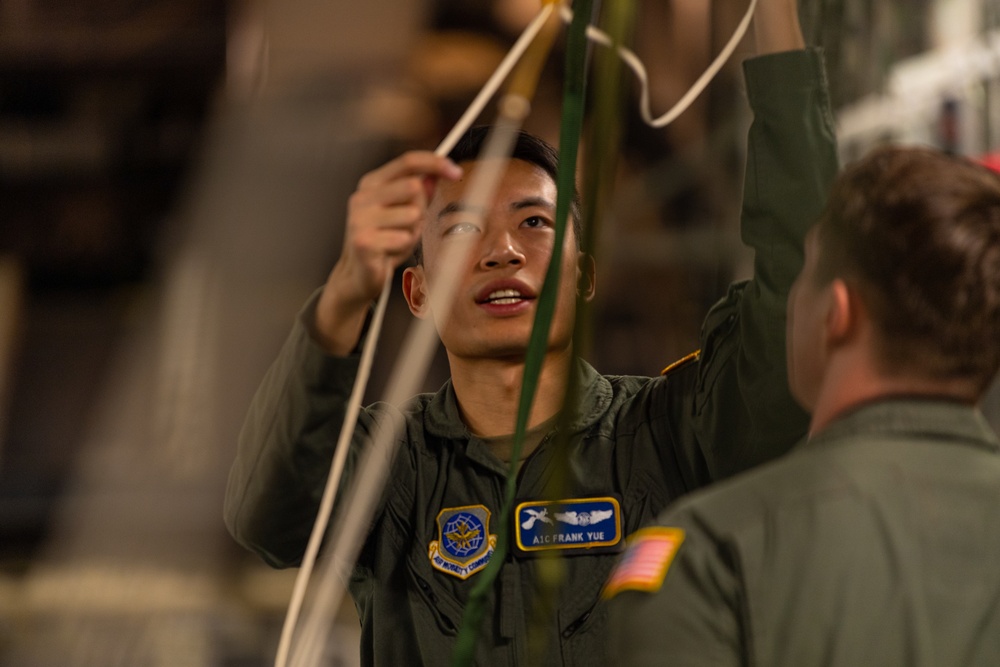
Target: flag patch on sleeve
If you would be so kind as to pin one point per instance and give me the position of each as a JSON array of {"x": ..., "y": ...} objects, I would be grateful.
[{"x": 647, "y": 558}]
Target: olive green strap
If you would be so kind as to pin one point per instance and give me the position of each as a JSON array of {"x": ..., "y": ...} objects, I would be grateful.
[{"x": 572, "y": 123}]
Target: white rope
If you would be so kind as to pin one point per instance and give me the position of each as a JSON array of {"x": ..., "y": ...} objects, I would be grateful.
[
  {"x": 494, "y": 82},
  {"x": 414, "y": 360},
  {"x": 333, "y": 482},
  {"x": 423, "y": 338},
  {"x": 630, "y": 59}
]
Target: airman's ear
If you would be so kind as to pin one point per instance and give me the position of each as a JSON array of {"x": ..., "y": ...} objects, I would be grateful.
[
  {"x": 586, "y": 277},
  {"x": 415, "y": 290}
]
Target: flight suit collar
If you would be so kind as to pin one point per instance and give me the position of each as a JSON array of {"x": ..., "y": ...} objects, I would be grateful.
[
  {"x": 442, "y": 417},
  {"x": 950, "y": 421}
]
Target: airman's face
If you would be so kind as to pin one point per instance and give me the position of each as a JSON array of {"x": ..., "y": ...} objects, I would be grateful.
[{"x": 502, "y": 277}]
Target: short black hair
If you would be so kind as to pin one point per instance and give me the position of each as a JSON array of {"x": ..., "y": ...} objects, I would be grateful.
[{"x": 528, "y": 148}]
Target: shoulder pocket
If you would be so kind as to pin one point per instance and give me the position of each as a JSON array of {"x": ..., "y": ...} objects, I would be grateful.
[{"x": 428, "y": 603}]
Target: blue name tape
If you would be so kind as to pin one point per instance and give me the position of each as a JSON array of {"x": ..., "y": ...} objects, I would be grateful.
[{"x": 578, "y": 523}]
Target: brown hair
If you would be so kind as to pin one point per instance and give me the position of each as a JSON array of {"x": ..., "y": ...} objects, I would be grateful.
[{"x": 918, "y": 232}]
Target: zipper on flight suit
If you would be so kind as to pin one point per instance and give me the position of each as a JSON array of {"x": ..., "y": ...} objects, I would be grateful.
[
  {"x": 571, "y": 629},
  {"x": 524, "y": 464}
]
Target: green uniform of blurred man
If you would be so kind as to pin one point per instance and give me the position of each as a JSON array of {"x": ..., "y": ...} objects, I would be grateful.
[{"x": 877, "y": 540}]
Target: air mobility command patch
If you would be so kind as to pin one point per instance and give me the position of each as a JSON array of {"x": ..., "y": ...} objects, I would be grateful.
[
  {"x": 579, "y": 524},
  {"x": 646, "y": 561},
  {"x": 464, "y": 545}
]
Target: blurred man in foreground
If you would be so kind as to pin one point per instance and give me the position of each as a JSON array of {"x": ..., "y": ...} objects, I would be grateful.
[{"x": 876, "y": 541}]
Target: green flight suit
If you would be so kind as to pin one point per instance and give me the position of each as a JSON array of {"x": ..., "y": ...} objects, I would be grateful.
[
  {"x": 644, "y": 441},
  {"x": 877, "y": 542}
]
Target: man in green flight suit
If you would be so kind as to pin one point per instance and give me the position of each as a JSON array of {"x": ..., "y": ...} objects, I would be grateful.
[
  {"x": 876, "y": 541},
  {"x": 634, "y": 443}
]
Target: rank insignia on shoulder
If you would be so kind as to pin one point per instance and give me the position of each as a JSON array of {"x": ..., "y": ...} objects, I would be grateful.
[
  {"x": 464, "y": 545},
  {"x": 577, "y": 525},
  {"x": 646, "y": 561}
]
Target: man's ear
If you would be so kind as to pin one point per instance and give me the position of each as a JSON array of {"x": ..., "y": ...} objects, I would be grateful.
[
  {"x": 415, "y": 290},
  {"x": 586, "y": 278},
  {"x": 843, "y": 313}
]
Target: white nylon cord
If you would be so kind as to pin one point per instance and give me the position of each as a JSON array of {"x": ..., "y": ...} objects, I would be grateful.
[
  {"x": 414, "y": 359},
  {"x": 428, "y": 340},
  {"x": 639, "y": 69},
  {"x": 494, "y": 82},
  {"x": 333, "y": 482}
]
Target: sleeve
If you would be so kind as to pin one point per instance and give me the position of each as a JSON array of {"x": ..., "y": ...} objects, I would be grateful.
[
  {"x": 691, "y": 617},
  {"x": 286, "y": 447},
  {"x": 742, "y": 411}
]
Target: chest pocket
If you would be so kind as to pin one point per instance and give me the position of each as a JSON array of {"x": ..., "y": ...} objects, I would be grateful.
[
  {"x": 582, "y": 618},
  {"x": 433, "y": 609}
]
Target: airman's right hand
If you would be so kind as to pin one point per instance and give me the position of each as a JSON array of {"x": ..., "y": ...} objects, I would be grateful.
[{"x": 385, "y": 217}]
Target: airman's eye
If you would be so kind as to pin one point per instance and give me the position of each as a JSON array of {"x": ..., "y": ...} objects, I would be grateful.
[
  {"x": 462, "y": 228},
  {"x": 535, "y": 221}
]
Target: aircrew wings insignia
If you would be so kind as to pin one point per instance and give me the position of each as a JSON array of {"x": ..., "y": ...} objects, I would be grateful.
[{"x": 584, "y": 518}]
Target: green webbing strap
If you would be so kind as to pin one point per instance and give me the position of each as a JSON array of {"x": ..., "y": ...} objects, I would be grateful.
[
  {"x": 604, "y": 134},
  {"x": 606, "y": 93},
  {"x": 569, "y": 138}
]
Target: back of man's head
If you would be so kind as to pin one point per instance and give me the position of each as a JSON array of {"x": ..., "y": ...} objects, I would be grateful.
[{"x": 918, "y": 232}]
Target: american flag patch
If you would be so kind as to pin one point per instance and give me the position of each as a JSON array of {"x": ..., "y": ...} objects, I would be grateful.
[{"x": 646, "y": 561}]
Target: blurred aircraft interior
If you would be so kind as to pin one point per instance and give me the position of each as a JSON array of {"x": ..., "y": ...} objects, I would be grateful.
[{"x": 173, "y": 178}]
